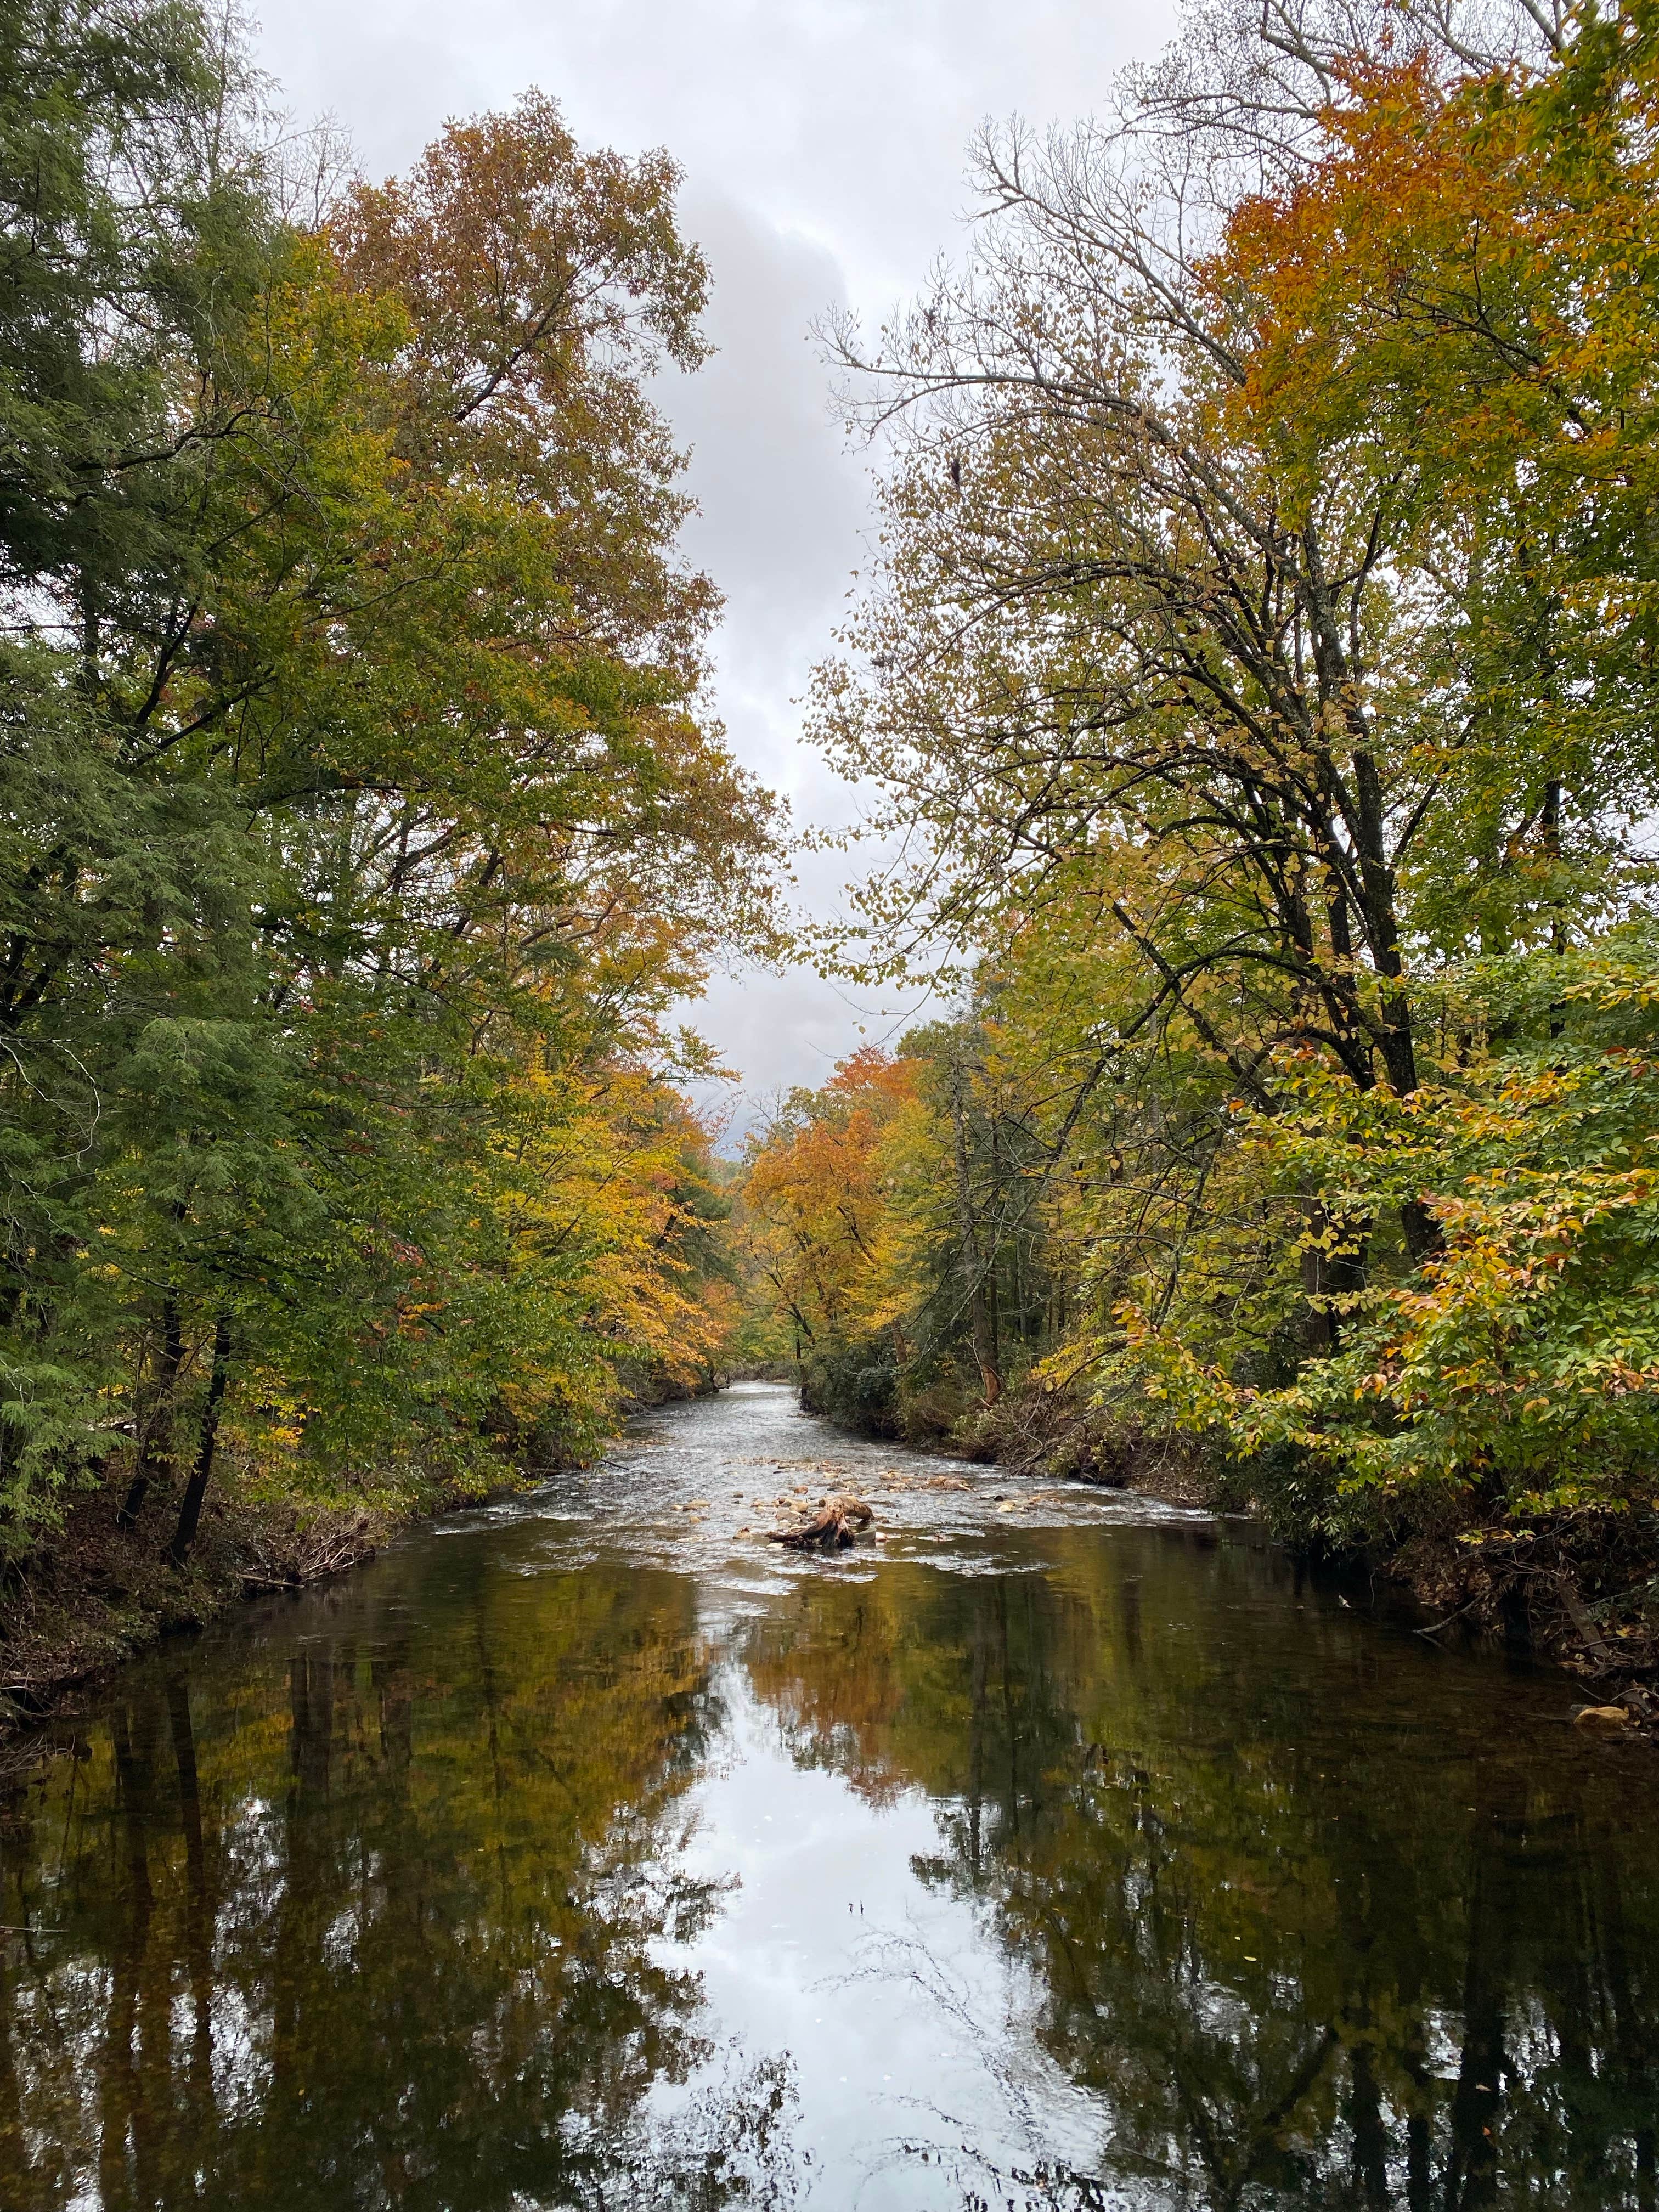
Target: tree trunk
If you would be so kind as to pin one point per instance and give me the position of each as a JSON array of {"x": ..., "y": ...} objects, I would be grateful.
[
  {"x": 198, "y": 1910},
  {"x": 981, "y": 1320},
  {"x": 1318, "y": 1322},
  {"x": 190, "y": 1513},
  {"x": 1331, "y": 1267},
  {"x": 1422, "y": 1231},
  {"x": 155, "y": 1449},
  {"x": 1370, "y": 2140}
]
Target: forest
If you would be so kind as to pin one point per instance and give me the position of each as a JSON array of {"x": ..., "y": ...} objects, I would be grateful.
[
  {"x": 1256, "y": 688},
  {"x": 363, "y": 818},
  {"x": 1253, "y": 702}
]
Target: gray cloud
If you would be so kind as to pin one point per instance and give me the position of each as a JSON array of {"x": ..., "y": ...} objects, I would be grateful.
[
  {"x": 822, "y": 142},
  {"x": 782, "y": 497}
]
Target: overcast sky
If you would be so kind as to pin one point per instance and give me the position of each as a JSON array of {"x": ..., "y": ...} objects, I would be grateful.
[{"x": 823, "y": 145}]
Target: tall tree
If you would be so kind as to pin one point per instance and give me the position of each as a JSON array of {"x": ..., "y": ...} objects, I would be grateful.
[{"x": 362, "y": 819}]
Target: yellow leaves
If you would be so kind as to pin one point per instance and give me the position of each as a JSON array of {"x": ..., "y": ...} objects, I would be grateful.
[
  {"x": 594, "y": 1190},
  {"x": 816, "y": 1194}
]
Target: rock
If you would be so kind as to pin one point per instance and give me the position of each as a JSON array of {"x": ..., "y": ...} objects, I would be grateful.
[{"x": 1601, "y": 1720}]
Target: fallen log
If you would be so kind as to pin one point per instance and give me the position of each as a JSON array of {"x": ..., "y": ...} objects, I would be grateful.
[{"x": 830, "y": 1529}]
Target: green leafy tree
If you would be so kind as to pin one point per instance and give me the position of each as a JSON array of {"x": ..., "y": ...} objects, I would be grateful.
[{"x": 361, "y": 820}]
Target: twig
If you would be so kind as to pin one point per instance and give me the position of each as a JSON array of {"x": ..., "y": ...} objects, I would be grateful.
[{"x": 1435, "y": 1627}]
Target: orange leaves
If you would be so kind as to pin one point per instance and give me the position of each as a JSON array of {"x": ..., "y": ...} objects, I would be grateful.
[
  {"x": 1400, "y": 297},
  {"x": 815, "y": 1189},
  {"x": 1463, "y": 283},
  {"x": 541, "y": 285}
]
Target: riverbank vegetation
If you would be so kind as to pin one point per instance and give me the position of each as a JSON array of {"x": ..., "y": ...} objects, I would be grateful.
[
  {"x": 1257, "y": 683},
  {"x": 362, "y": 814}
]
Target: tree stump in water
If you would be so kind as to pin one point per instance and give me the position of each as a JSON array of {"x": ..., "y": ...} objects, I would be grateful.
[{"x": 830, "y": 1529}]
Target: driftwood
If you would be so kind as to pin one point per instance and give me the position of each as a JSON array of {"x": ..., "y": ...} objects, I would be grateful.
[{"x": 830, "y": 1529}]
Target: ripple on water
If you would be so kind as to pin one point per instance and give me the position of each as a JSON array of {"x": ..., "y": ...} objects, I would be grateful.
[{"x": 700, "y": 1485}]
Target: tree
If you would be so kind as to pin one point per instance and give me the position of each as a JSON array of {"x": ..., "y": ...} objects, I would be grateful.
[
  {"x": 362, "y": 820},
  {"x": 819, "y": 1220}
]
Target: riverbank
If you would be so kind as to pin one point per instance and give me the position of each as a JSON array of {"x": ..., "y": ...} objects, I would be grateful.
[
  {"x": 100, "y": 1594},
  {"x": 1582, "y": 1594},
  {"x": 1120, "y": 1837},
  {"x": 1581, "y": 1590}
]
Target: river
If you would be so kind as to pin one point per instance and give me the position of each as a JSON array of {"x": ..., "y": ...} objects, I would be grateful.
[{"x": 1058, "y": 1850}]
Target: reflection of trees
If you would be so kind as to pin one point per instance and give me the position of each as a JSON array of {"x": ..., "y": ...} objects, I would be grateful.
[
  {"x": 1303, "y": 1948},
  {"x": 368, "y": 1919},
  {"x": 371, "y": 1922}
]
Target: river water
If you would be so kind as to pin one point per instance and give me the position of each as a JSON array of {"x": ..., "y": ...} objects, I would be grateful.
[{"x": 1059, "y": 1849}]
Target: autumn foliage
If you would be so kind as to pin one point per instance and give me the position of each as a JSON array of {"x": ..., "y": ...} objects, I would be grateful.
[
  {"x": 1258, "y": 676},
  {"x": 362, "y": 818}
]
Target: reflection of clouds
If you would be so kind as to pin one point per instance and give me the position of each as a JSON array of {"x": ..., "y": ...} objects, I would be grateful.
[
  {"x": 1242, "y": 1967},
  {"x": 308, "y": 1917},
  {"x": 567, "y": 1858},
  {"x": 987, "y": 2005},
  {"x": 731, "y": 2143}
]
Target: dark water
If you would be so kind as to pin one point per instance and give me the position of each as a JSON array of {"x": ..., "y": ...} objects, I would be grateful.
[{"x": 1058, "y": 1851}]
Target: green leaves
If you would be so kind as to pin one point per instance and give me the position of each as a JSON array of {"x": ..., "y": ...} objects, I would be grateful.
[
  {"x": 1257, "y": 679},
  {"x": 1519, "y": 1366},
  {"x": 358, "y": 823}
]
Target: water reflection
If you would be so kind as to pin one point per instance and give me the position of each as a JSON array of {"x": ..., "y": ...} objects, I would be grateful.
[
  {"x": 1128, "y": 1873},
  {"x": 1315, "y": 1917},
  {"x": 370, "y": 1923}
]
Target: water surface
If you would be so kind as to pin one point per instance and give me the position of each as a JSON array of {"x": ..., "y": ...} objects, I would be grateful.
[{"x": 1060, "y": 1850}]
